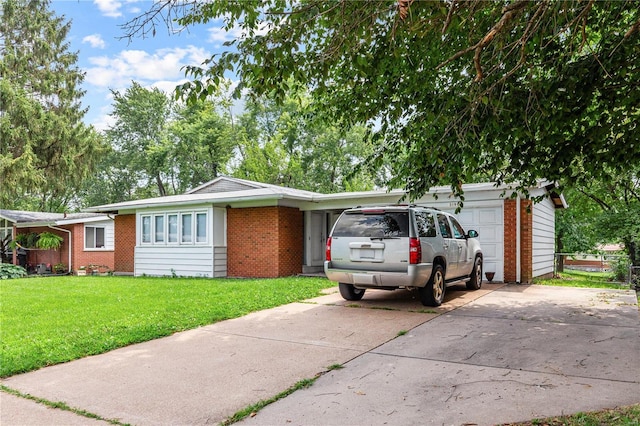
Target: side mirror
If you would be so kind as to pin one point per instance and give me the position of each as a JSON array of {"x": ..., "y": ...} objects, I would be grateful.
[{"x": 472, "y": 234}]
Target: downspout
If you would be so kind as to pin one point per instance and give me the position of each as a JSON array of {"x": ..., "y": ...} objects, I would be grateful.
[
  {"x": 68, "y": 232},
  {"x": 518, "y": 254}
]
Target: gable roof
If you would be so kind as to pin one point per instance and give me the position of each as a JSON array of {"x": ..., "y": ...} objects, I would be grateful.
[
  {"x": 232, "y": 184},
  {"x": 223, "y": 189}
]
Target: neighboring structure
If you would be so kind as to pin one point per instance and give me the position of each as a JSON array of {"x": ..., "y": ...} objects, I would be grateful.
[
  {"x": 238, "y": 228},
  {"x": 88, "y": 238}
]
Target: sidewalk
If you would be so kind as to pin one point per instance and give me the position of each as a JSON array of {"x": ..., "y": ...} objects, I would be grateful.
[{"x": 496, "y": 355}]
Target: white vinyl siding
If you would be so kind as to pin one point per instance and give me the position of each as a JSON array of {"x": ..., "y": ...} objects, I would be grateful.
[
  {"x": 99, "y": 236},
  {"x": 190, "y": 260},
  {"x": 543, "y": 238}
]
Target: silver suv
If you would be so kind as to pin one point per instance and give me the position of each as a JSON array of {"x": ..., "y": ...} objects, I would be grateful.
[{"x": 402, "y": 247}]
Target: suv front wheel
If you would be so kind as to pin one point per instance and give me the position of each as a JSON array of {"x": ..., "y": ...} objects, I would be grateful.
[
  {"x": 349, "y": 292},
  {"x": 475, "y": 281},
  {"x": 433, "y": 293}
]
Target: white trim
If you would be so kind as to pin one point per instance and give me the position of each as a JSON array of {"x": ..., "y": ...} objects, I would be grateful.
[{"x": 154, "y": 214}]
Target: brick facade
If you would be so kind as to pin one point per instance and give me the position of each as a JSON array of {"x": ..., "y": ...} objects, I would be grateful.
[
  {"x": 125, "y": 242},
  {"x": 82, "y": 257},
  {"x": 264, "y": 242},
  {"x": 526, "y": 240},
  {"x": 79, "y": 257}
]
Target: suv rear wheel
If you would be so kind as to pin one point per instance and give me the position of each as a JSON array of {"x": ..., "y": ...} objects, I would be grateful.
[
  {"x": 349, "y": 292},
  {"x": 433, "y": 293}
]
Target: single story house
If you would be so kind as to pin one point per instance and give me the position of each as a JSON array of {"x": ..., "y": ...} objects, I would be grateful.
[
  {"x": 232, "y": 227},
  {"x": 87, "y": 239}
]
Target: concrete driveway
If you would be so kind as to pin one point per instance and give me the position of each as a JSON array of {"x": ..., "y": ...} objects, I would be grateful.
[{"x": 500, "y": 354}]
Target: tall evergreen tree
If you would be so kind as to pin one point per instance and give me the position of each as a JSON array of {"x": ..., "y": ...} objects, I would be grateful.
[{"x": 45, "y": 149}]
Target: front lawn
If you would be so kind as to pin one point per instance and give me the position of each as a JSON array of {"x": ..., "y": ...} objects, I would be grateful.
[
  {"x": 49, "y": 320},
  {"x": 573, "y": 278}
]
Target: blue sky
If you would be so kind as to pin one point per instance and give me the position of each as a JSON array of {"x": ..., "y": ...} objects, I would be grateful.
[{"x": 110, "y": 63}]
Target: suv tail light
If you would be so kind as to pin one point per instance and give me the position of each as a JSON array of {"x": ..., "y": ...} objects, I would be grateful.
[
  {"x": 327, "y": 250},
  {"x": 415, "y": 251}
]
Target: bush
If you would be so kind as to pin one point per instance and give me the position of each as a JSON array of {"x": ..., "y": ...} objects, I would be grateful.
[
  {"x": 620, "y": 269},
  {"x": 9, "y": 271}
]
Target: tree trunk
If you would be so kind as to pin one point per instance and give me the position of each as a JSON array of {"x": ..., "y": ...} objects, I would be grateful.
[
  {"x": 559, "y": 257},
  {"x": 161, "y": 188}
]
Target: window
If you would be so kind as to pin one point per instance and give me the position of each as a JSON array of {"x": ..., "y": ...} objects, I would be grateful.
[
  {"x": 6, "y": 233},
  {"x": 373, "y": 224},
  {"x": 6, "y": 228},
  {"x": 159, "y": 229},
  {"x": 201, "y": 227},
  {"x": 190, "y": 227},
  {"x": 445, "y": 229},
  {"x": 426, "y": 224},
  {"x": 172, "y": 234},
  {"x": 94, "y": 237},
  {"x": 187, "y": 227},
  {"x": 458, "y": 231},
  {"x": 146, "y": 229}
]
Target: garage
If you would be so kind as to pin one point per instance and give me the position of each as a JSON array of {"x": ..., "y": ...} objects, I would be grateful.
[{"x": 517, "y": 236}]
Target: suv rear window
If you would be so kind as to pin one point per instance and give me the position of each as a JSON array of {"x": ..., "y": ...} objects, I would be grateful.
[{"x": 378, "y": 224}]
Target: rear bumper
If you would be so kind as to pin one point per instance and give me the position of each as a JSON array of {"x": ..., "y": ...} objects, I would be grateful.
[{"x": 416, "y": 276}]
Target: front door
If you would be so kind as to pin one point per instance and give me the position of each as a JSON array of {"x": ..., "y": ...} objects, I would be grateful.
[{"x": 317, "y": 238}]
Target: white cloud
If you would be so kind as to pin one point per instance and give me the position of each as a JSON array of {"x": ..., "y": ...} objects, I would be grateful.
[
  {"x": 219, "y": 35},
  {"x": 139, "y": 65},
  {"x": 110, "y": 8},
  {"x": 95, "y": 40}
]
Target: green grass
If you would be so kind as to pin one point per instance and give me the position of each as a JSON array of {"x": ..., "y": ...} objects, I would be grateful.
[
  {"x": 570, "y": 278},
  {"x": 50, "y": 320},
  {"x": 252, "y": 410},
  {"x": 622, "y": 416}
]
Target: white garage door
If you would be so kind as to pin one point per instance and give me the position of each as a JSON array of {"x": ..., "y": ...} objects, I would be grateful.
[{"x": 489, "y": 223}]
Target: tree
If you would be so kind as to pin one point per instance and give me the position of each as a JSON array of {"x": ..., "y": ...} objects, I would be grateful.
[
  {"x": 619, "y": 199},
  {"x": 139, "y": 138},
  {"x": 45, "y": 149},
  {"x": 203, "y": 142},
  {"x": 513, "y": 91},
  {"x": 288, "y": 144},
  {"x": 606, "y": 211}
]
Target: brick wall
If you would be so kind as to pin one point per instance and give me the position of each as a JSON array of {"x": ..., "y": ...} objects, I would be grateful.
[
  {"x": 510, "y": 254},
  {"x": 290, "y": 241},
  {"x": 85, "y": 258},
  {"x": 79, "y": 257},
  {"x": 264, "y": 242},
  {"x": 125, "y": 242},
  {"x": 526, "y": 241}
]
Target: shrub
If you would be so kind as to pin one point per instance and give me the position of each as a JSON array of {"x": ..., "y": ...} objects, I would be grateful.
[
  {"x": 620, "y": 269},
  {"x": 9, "y": 271}
]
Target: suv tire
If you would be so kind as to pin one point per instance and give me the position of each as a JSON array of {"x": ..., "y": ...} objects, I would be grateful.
[
  {"x": 433, "y": 293},
  {"x": 476, "y": 275},
  {"x": 349, "y": 292}
]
